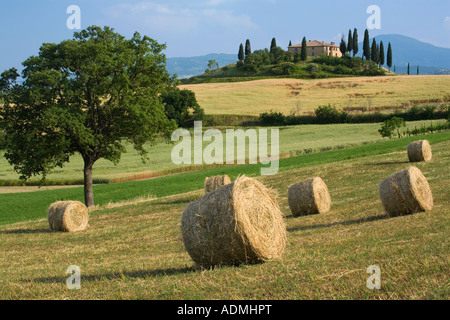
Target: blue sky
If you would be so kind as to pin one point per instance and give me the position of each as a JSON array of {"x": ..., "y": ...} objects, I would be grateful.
[{"x": 198, "y": 27}]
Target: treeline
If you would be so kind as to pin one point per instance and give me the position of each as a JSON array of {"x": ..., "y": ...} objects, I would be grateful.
[
  {"x": 249, "y": 61},
  {"x": 252, "y": 62},
  {"x": 375, "y": 52},
  {"x": 330, "y": 115},
  {"x": 393, "y": 127}
]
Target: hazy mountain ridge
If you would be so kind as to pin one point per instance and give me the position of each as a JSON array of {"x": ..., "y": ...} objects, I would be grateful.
[
  {"x": 429, "y": 58},
  {"x": 186, "y": 67}
]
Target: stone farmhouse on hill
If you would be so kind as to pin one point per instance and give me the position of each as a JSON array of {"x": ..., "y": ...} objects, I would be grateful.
[{"x": 317, "y": 48}]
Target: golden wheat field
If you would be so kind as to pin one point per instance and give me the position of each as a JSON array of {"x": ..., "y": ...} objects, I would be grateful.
[{"x": 303, "y": 96}]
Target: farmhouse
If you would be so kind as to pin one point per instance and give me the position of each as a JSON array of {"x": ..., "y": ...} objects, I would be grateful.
[{"x": 317, "y": 48}]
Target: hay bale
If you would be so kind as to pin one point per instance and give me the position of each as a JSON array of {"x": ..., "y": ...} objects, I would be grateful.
[
  {"x": 69, "y": 216},
  {"x": 419, "y": 151},
  {"x": 238, "y": 223},
  {"x": 213, "y": 183},
  {"x": 309, "y": 197},
  {"x": 406, "y": 192}
]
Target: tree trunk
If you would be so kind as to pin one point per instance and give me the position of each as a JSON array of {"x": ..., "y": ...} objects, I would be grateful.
[{"x": 88, "y": 191}]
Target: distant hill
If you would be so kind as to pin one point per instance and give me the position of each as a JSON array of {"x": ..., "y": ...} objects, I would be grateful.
[
  {"x": 430, "y": 59},
  {"x": 192, "y": 66}
]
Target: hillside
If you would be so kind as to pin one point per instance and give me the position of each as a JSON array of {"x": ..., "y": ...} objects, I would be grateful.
[
  {"x": 431, "y": 59},
  {"x": 302, "y": 96}
]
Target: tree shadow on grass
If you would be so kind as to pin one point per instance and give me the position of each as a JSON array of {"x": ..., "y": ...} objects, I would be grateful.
[
  {"x": 388, "y": 163},
  {"x": 119, "y": 275},
  {"x": 340, "y": 223},
  {"x": 26, "y": 231},
  {"x": 174, "y": 202}
]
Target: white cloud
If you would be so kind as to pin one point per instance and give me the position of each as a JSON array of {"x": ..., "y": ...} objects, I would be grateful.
[
  {"x": 215, "y": 2},
  {"x": 447, "y": 23},
  {"x": 176, "y": 19},
  {"x": 138, "y": 8}
]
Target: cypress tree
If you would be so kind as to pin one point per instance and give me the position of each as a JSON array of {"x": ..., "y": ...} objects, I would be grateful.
[
  {"x": 241, "y": 53},
  {"x": 389, "y": 56},
  {"x": 418, "y": 71},
  {"x": 382, "y": 56},
  {"x": 350, "y": 41},
  {"x": 374, "y": 53},
  {"x": 408, "y": 70},
  {"x": 304, "y": 52},
  {"x": 273, "y": 45},
  {"x": 290, "y": 43},
  {"x": 366, "y": 47},
  {"x": 343, "y": 47},
  {"x": 248, "y": 48},
  {"x": 355, "y": 42}
]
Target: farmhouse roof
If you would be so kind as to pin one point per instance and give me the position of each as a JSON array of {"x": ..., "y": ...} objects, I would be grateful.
[{"x": 315, "y": 43}]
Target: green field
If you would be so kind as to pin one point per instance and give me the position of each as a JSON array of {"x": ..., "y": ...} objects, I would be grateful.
[
  {"x": 135, "y": 251},
  {"x": 33, "y": 205},
  {"x": 294, "y": 140}
]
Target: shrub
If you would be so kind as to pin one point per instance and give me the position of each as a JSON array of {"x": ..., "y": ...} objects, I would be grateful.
[
  {"x": 313, "y": 68},
  {"x": 328, "y": 114},
  {"x": 328, "y": 60},
  {"x": 373, "y": 70},
  {"x": 342, "y": 70},
  {"x": 272, "y": 118},
  {"x": 284, "y": 69},
  {"x": 389, "y": 126}
]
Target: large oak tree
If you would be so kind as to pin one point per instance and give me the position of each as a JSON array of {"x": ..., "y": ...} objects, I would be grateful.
[{"x": 88, "y": 95}]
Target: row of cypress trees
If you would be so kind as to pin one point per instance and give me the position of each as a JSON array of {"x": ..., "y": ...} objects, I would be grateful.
[{"x": 375, "y": 53}]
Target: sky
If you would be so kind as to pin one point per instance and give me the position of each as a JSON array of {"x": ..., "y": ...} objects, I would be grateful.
[{"x": 199, "y": 27}]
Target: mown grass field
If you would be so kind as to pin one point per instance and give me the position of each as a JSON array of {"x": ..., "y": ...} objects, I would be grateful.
[
  {"x": 136, "y": 252},
  {"x": 17, "y": 207},
  {"x": 295, "y": 140},
  {"x": 285, "y": 95}
]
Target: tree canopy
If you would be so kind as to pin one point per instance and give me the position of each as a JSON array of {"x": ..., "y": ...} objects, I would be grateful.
[
  {"x": 366, "y": 45},
  {"x": 241, "y": 55},
  {"x": 355, "y": 42},
  {"x": 389, "y": 56},
  {"x": 304, "y": 52},
  {"x": 182, "y": 106},
  {"x": 88, "y": 95},
  {"x": 392, "y": 125},
  {"x": 350, "y": 41},
  {"x": 382, "y": 55},
  {"x": 248, "y": 47}
]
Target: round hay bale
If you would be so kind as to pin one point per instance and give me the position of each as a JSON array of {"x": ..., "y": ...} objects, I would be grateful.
[
  {"x": 419, "y": 151},
  {"x": 309, "y": 197},
  {"x": 406, "y": 192},
  {"x": 69, "y": 216},
  {"x": 238, "y": 223},
  {"x": 213, "y": 183}
]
